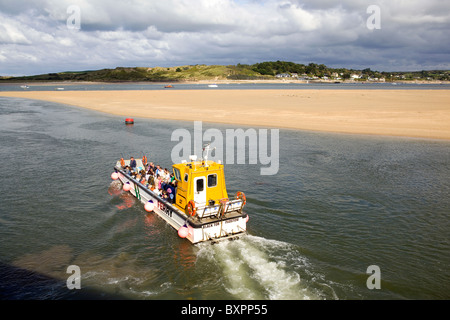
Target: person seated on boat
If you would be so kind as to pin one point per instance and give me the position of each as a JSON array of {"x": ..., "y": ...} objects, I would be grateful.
[
  {"x": 166, "y": 175},
  {"x": 168, "y": 187},
  {"x": 133, "y": 164},
  {"x": 151, "y": 173},
  {"x": 158, "y": 182},
  {"x": 159, "y": 171},
  {"x": 151, "y": 170},
  {"x": 165, "y": 195},
  {"x": 170, "y": 194},
  {"x": 151, "y": 166},
  {"x": 175, "y": 186},
  {"x": 127, "y": 169},
  {"x": 151, "y": 182}
]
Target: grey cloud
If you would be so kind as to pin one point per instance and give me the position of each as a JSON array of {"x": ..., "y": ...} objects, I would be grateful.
[{"x": 34, "y": 35}]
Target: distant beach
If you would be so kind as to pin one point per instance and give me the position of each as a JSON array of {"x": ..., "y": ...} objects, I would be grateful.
[{"x": 410, "y": 113}]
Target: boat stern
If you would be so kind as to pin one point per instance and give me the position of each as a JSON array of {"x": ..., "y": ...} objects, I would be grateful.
[{"x": 217, "y": 230}]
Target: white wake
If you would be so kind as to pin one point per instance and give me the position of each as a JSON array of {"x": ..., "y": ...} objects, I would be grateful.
[{"x": 255, "y": 268}]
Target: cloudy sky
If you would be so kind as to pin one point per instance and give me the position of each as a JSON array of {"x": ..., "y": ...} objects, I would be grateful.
[{"x": 42, "y": 36}]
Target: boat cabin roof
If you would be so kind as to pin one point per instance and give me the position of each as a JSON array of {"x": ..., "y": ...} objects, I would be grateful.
[
  {"x": 188, "y": 175},
  {"x": 196, "y": 168}
]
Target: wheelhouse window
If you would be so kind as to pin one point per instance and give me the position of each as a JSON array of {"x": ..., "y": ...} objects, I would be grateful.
[
  {"x": 200, "y": 185},
  {"x": 176, "y": 172},
  {"x": 212, "y": 180},
  {"x": 186, "y": 177}
]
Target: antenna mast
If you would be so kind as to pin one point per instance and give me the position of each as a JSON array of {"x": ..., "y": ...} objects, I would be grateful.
[{"x": 206, "y": 148}]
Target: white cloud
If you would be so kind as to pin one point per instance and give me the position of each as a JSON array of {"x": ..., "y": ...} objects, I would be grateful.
[{"x": 10, "y": 32}]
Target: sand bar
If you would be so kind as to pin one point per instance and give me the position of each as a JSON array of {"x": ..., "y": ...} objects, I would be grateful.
[{"x": 412, "y": 113}]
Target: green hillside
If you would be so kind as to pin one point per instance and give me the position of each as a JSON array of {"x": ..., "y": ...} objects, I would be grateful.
[
  {"x": 259, "y": 71},
  {"x": 156, "y": 74}
]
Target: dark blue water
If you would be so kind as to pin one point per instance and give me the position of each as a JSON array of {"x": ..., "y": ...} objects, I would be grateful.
[{"x": 338, "y": 204}]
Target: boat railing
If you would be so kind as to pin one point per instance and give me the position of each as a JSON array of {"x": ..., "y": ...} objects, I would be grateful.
[
  {"x": 139, "y": 164},
  {"x": 219, "y": 209}
]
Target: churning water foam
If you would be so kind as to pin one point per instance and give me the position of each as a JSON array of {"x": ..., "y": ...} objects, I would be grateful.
[{"x": 255, "y": 268}]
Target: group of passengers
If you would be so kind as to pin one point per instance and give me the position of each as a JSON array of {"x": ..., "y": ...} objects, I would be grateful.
[{"x": 155, "y": 178}]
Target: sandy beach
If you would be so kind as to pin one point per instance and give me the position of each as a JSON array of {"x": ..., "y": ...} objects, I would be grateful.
[{"x": 411, "y": 113}]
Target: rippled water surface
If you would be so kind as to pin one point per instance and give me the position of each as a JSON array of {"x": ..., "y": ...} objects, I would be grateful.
[{"x": 339, "y": 204}]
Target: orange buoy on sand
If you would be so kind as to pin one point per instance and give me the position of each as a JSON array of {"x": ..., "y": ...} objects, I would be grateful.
[{"x": 129, "y": 121}]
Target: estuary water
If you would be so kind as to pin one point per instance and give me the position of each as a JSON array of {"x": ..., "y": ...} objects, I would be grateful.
[
  {"x": 338, "y": 205},
  {"x": 74, "y": 86}
]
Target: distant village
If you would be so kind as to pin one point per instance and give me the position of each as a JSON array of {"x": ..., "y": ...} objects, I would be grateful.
[
  {"x": 337, "y": 77},
  {"x": 329, "y": 77},
  {"x": 320, "y": 72}
]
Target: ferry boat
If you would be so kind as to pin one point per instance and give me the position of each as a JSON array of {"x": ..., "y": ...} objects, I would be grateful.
[{"x": 201, "y": 210}]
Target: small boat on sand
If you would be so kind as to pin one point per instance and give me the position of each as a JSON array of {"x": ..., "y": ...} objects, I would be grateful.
[{"x": 200, "y": 208}]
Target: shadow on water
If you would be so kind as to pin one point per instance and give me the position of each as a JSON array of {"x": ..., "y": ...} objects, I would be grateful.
[{"x": 22, "y": 284}]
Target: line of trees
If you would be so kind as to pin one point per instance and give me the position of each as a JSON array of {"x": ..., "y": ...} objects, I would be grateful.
[{"x": 273, "y": 68}]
